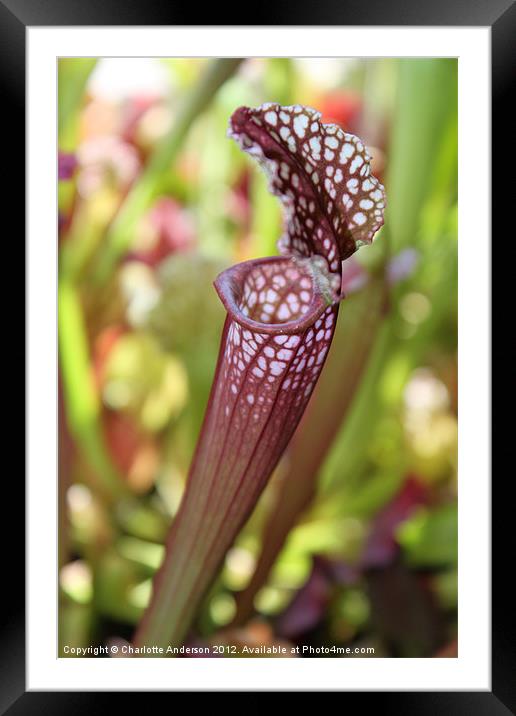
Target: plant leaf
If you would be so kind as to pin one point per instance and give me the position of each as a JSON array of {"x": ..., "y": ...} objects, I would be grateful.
[
  {"x": 334, "y": 394},
  {"x": 281, "y": 319},
  {"x": 333, "y": 204},
  {"x": 270, "y": 366}
]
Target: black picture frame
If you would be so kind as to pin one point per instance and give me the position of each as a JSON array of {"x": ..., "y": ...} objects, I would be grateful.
[{"x": 500, "y": 15}]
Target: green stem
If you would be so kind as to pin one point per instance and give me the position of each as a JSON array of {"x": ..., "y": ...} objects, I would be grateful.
[
  {"x": 82, "y": 403},
  {"x": 141, "y": 194}
]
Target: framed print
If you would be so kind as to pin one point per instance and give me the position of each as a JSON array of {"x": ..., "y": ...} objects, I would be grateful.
[{"x": 258, "y": 377}]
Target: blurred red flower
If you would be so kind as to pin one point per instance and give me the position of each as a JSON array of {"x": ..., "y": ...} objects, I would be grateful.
[
  {"x": 170, "y": 229},
  {"x": 342, "y": 107}
]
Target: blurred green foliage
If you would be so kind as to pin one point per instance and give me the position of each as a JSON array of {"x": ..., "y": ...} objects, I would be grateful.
[{"x": 153, "y": 203}]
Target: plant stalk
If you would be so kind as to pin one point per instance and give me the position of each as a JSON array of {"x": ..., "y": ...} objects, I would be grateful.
[{"x": 140, "y": 196}]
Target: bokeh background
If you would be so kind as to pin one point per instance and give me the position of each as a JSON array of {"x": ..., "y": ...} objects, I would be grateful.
[{"x": 154, "y": 201}]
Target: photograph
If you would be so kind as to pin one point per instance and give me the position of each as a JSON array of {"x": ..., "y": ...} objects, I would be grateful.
[
  {"x": 257, "y": 308},
  {"x": 260, "y": 385}
]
